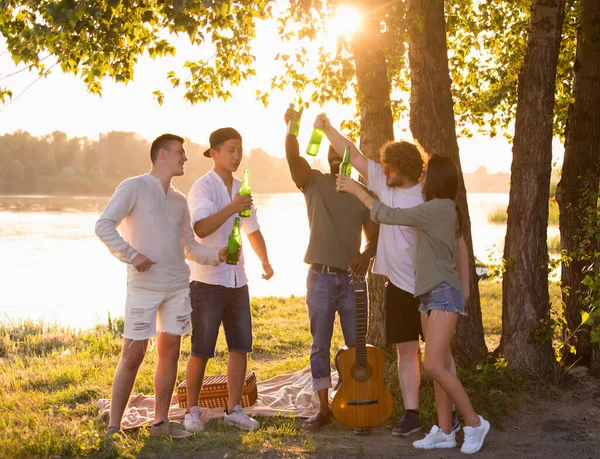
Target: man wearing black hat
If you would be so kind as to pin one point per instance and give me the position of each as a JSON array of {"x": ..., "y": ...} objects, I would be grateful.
[{"x": 221, "y": 294}]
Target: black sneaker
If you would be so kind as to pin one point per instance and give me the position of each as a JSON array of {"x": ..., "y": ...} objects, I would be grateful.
[
  {"x": 455, "y": 423},
  {"x": 409, "y": 424}
]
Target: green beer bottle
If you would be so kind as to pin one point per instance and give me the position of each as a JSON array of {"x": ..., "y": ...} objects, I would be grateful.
[
  {"x": 245, "y": 189},
  {"x": 315, "y": 141},
  {"x": 234, "y": 244},
  {"x": 293, "y": 127},
  {"x": 346, "y": 167}
]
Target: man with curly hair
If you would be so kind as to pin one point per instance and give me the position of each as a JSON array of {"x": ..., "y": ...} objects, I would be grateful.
[{"x": 396, "y": 183}]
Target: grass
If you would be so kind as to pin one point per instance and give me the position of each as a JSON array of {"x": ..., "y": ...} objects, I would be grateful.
[
  {"x": 53, "y": 376},
  {"x": 499, "y": 216}
]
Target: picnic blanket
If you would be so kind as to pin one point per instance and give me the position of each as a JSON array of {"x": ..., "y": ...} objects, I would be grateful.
[{"x": 286, "y": 395}]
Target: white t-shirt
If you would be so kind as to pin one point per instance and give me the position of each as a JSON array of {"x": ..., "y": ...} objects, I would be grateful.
[
  {"x": 396, "y": 245},
  {"x": 157, "y": 225},
  {"x": 206, "y": 197}
]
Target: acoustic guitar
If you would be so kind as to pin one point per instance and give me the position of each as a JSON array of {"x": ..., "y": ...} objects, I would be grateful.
[{"x": 361, "y": 399}]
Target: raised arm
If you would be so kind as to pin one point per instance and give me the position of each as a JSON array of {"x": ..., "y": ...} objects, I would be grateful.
[
  {"x": 339, "y": 142},
  {"x": 299, "y": 167}
]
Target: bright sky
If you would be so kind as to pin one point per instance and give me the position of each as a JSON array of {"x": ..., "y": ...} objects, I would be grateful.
[{"x": 61, "y": 102}]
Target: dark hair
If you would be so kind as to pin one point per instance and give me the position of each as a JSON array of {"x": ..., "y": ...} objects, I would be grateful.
[
  {"x": 441, "y": 182},
  {"x": 404, "y": 157},
  {"x": 161, "y": 142}
]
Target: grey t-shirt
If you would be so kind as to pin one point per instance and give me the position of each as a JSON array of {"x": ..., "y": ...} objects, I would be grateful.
[
  {"x": 335, "y": 221},
  {"x": 435, "y": 258}
]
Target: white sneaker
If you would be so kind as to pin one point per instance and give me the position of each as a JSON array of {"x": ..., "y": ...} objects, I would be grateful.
[
  {"x": 436, "y": 438},
  {"x": 241, "y": 420},
  {"x": 193, "y": 421},
  {"x": 474, "y": 437}
]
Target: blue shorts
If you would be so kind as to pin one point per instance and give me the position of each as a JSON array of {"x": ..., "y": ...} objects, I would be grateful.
[
  {"x": 443, "y": 297},
  {"x": 213, "y": 304}
]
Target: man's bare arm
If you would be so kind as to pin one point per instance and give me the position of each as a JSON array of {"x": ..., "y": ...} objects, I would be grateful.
[
  {"x": 299, "y": 167},
  {"x": 257, "y": 241},
  {"x": 339, "y": 143}
]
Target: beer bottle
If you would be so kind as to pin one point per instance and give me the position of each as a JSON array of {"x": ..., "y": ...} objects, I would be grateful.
[
  {"x": 315, "y": 141},
  {"x": 234, "y": 244},
  {"x": 293, "y": 127},
  {"x": 245, "y": 189},
  {"x": 346, "y": 167}
]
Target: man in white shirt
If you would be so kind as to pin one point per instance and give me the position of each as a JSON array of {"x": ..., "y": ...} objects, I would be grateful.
[
  {"x": 220, "y": 294},
  {"x": 155, "y": 239},
  {"x": 396, "y": 183}
]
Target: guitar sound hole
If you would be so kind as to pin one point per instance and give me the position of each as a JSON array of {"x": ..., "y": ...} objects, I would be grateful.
[{"x": 361, "y": 373}]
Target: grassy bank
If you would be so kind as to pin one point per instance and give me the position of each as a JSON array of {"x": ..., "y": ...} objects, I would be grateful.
[
  {"x": 499, "y": 216},
  {"x": 52, "y": 377}
]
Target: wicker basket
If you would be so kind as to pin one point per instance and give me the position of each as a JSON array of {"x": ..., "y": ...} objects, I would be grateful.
[{"x": 214, "y": 392}]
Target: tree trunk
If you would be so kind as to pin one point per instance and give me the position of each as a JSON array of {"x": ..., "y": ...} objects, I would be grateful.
[
  {"x": 432, "y": 126},
  {"x": 376, "y": 128},
  {"x": 578, "y": 187},
  {"x": 527, "y": 329}
]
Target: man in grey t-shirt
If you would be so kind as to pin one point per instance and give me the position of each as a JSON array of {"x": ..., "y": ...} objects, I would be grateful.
[{"x": 336, "y": 221}]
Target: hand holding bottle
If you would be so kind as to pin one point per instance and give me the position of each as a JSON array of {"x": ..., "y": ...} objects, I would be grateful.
[
  {"x": 317, "y": 134},
  {"x": 234, "y": 244},
  {"x": 241, "y": 202},
  {"x": 245, "y": 190},
  {"x": 347, "y": 185},
  {"x": 322, "y": 122},
  {"x": 291, "y": 114},
  {"x": 293, "y": 122}
]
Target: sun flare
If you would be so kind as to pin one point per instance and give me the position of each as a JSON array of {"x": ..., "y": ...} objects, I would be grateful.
[{"x": 344, "y": 23}]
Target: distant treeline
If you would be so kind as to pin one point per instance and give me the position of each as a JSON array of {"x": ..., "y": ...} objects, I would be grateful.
[{"x": 55, "y": 163}]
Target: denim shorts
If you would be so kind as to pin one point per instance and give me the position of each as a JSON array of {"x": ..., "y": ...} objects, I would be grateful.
[
  {"x": 213, "y": 304},
  {"x": 443, "y": 297}
]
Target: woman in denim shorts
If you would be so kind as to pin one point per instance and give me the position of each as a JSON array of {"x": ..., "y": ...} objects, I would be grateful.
[{"x": 440, "y": 292}]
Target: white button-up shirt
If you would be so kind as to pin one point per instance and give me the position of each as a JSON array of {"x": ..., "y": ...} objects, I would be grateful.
[{"x": 206, "y": 197}]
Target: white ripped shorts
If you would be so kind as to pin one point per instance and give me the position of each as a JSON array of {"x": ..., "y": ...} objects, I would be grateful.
[{"x": 150, "y": 311}]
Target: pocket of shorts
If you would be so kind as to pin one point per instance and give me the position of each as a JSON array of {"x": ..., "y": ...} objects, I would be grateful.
[{"x": 436, "y": 296}]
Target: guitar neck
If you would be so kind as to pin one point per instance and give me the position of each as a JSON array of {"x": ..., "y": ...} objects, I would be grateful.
[{"x": 360, "y": 316}]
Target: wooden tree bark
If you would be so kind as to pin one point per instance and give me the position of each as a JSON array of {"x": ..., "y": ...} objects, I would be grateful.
[
  {"x": 432, "y": 125},
  {"x": 526, "y": 340},
  {"x": 578, "y": 187},
  {"x": 376, "y": 128}
]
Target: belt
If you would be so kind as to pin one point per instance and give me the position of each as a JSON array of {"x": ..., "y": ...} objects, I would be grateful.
[{"x": 327, "y": 269}]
